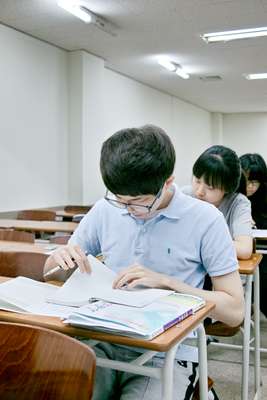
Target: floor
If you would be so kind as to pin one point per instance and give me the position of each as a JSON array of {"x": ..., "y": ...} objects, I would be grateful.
[{"x": 225, "y": 367}]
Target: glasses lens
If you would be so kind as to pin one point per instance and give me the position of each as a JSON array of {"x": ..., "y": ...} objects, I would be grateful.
[
  {"x": 116, "y": 203},
  {"x": 136, "y": 208}
]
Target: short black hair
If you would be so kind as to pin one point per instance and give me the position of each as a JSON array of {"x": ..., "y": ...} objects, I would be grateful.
[
  {"x": 137, "y": 161},
  {"x": 220, "y": 168},
  {"x": 254, "y": 166}
]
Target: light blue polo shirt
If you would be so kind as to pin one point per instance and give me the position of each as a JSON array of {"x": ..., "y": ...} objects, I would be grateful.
[{"x": 186, "y": 240}]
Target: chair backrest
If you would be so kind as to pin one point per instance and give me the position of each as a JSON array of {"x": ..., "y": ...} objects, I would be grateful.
[
  {"x": 37, "y": 215},
  {"x": 17, "y": 263},
  {"x": 38, "y": 363},
  {"x": 77, "y": 209},
  {"x": 59, "y": 239},
  {"x": 17, "y": 236}
]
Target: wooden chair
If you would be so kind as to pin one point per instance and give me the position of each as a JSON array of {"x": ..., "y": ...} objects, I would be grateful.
[
  {"x": 77, "y": 209},
  {"x": 62, "y": 239},
  {"x": 37, "y": 215},
  {"x": 38, "y": 363},
  {"x": 26, "y": 264},
  {"x": 17, "y": 236}
]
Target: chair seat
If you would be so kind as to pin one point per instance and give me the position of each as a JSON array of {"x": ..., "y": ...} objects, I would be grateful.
[{"x": 218, "y": 328}]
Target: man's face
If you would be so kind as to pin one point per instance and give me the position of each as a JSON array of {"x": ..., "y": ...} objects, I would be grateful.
[{"x": 142, "y": 206}]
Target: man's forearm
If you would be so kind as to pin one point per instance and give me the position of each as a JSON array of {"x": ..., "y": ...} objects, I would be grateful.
[{"x": 228, "y": 309}]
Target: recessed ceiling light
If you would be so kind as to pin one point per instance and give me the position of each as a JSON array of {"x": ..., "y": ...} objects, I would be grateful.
[
  {"x": 180, "y": 72},
  {"x": 256, "y": 76},
  {"x": 77, "y": 9},
  {"x": 80, "y": 10},
  {"x": 234, "y": 35},
  {"x": 173, "y": 67},
  {"x": 166, "y": 63}
]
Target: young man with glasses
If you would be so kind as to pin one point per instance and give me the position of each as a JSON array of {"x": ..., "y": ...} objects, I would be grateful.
[{"x": 153, "y": 235}]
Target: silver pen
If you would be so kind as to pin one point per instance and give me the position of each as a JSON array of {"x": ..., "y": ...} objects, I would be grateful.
[{"x": 59, "y": 268}]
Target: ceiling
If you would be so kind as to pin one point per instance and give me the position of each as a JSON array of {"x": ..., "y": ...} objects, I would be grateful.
[{"x": 146, "y": 29}]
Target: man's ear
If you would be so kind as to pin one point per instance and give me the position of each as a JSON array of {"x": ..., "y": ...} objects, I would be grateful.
[{"x": 169, "y": 182}]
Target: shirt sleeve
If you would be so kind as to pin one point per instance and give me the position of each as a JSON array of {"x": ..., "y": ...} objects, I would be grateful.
[
  {"x": 187, "y": 190},
  {"x": 242, "y": 219},
  {"x": 86, "y": 234},
  {"x": 217, "y": 249}
]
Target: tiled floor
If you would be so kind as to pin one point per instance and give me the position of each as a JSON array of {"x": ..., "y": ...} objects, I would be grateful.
[{"x": 225, "y": 368}]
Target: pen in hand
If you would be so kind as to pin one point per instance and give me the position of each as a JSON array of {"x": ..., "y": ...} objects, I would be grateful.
[{"x": 59, "y": 268}]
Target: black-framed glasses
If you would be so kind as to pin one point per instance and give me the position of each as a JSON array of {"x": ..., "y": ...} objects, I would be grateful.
[{"x": 136, "y": 207}]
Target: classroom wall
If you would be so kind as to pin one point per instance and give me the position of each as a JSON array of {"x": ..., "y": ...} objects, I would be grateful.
[
  {"x": 33, "y": 123},
  {"x": 57, "y": 107},
  {"x": 112, "y": 101},
  {"x": 188, "y": 126},
  {"x": 246, "y": 132}
]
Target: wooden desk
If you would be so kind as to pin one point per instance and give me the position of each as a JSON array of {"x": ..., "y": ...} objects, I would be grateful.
[
  {"x": 66, "y": 214},
  {"x": 166, "y": 342},
  {"x": 259, "y": 233},
  {"x": 39, "y": 226},
  {"x": 43, "y": 248},
  {"x": 250, "y": 269}
]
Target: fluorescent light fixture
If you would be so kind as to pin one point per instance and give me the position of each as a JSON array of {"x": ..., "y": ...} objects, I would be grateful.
[
  {"x": 166, "y": 63},
  {"x": 173, "y": 67},
  {"x": 180, "y": 72},
  {"x": 256, "y": 76},
  {"x": 77, "y": 9},
  {"x": 234, "y": 35}
]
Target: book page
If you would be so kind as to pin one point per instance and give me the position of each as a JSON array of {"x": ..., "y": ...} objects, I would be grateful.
[
  {"x": 81, "y": 287},
  {"x": 24, "y": 295}
]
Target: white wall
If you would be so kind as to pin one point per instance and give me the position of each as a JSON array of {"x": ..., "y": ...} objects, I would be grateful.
[
  {"x": 113, "y": 102},
  {"x": 33, "y": 123},
  {"x": 56, "y": 110},
  {"x": 246, "y": 132}
]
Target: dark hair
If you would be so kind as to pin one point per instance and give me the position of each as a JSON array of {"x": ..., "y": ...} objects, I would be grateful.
[
  {"x": 137, "y": 161},
  {"x": 255, "y": 168},
  {"x": 220, "y": 168}
]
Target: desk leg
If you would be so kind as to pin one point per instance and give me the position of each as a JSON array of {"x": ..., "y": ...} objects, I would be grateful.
[
  {"x": 246, "y": 337},
  {"x": 257, "y": 361},
  {"x": 203, "y": 364},
  {"x": 167, "y": 374}
]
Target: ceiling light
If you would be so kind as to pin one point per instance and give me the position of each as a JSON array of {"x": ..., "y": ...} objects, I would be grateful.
[
  {"x": 166, "y": 63},
  {"x": 77, "y": 9},
  {"x": 256, "y": 76},
  {"x": 173, "y": 67},
  {"x": 80, "y": 10},
  {"x": 180, "y": 72},
  {"x": 234, "y": 35}
]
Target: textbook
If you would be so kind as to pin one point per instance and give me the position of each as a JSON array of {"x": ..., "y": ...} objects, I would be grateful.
[
  {"x": 82, "y": 288},
  {"x": 25, "y": 295},
  {"x": 146, "y": 322}
]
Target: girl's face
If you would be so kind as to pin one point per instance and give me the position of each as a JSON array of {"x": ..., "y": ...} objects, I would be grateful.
[
  {"x": 252, "y": 187},
  {"x": 207, "y": 193}
]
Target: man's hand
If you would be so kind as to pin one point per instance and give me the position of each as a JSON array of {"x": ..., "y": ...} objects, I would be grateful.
[
  {"x": 67, "y": 257},
  {"x": 136, "y": 274}
]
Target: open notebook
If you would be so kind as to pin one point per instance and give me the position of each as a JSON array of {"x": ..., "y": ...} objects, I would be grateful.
[
  {"x": 146, "y": 322},
  {"x": 82, "y": 288}
]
